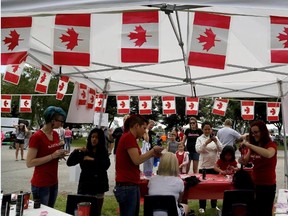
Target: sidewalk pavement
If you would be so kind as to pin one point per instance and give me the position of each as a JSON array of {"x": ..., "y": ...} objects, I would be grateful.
[{"x": 15, "y": 176}]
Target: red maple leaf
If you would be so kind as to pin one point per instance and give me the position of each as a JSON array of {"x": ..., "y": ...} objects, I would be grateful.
[
  {"x": 15, "y": 68},
  {"x": 13, "y": 41},
  {"x": 284, "y": 37},
  {"x": 99, "y": 102},
  {"x": 43, "y": 77},
  {"x": 61, "y": 86},
  {"x": 139, "y": 36},
  {"x": 208, "y": 39},
  {"x": 71, "y": 37}
]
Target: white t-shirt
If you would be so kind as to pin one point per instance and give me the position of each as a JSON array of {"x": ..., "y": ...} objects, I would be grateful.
[
  {"x": 228, "y": 136},
  {"x": 166, "y": 185}
]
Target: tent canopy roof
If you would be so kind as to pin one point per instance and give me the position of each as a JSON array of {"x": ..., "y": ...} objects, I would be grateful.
[{"x": 248, "y": 71}]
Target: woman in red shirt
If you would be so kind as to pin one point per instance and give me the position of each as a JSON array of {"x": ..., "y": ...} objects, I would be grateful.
[
  {"x": 263, "y": 153},
  {"x": 45, "y": 149}
]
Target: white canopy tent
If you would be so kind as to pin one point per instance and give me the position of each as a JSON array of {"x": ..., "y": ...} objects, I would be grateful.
[{"x": 248, "y": 71}]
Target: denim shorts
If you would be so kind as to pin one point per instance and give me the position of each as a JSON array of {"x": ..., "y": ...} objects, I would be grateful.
[{"x": 194, "y": 156}]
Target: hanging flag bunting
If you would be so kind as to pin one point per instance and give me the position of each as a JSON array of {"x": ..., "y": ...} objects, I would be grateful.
[
  {"x": 209, "y": 40},
  {"x": 140, "y": 37},
  {"x": 82, "y": 94},
  {"x": 100, "y": 99},
  {"x": 145, "y": 105},
  {"x": 273, "y": 109},
  {"x": 220, "y": 107},
  {"x": 168, "y": 105},
  {"x": 72, "y": 40},
  {"x": 91, "y": 98},
  {"x": 15, "y": 34},
  {"x": 13, "y": 73},
  {"x": 279, "y": 39},
  {"x": 192, "y": 104},
  {"x": 247, "y": 110},
  {"x": 25, "y": 104},
  {"x": 123, "y": 104},
  {"x": 284, "y": 103},
  {"x": 44, "y": 79},
  {"x": 6, "y": 103},
  {"x": 62, "y": 87}
]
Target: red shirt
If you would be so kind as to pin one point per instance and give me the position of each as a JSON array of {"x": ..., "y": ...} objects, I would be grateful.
[
  {"x": 126, "y": 170},
  {"x": 46, "y": 174},
  {"x": 68, "y": 133},
  {"x": 224, "y": 164},
  {"x": 180, "y": 158},
  {"x": 264, "y": 169}
]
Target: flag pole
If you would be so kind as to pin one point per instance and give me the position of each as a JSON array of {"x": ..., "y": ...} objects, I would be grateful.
[{"x": 104, "y": 98}]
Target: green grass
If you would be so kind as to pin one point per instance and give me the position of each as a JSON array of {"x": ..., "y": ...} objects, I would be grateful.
[
  {"x": 110, "y": 206},
  {"x": 80, "y": 142}
]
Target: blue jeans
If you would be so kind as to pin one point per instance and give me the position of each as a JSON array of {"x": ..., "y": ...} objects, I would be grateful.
[
  {"x": 128, "y": 198},
  {"x": 67, "y": 143},
  {"x": 47, "y": 195}
]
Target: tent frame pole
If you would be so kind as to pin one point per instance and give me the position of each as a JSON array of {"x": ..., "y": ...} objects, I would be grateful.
[
  {"x": 105, "y": 98},
  {"x": 285, "y": 140}
]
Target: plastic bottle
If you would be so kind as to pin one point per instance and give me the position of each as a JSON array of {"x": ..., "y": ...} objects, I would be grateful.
[{"x": 204, "y": 173}]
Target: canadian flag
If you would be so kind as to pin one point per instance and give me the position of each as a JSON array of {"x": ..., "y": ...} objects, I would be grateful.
[
  {"x": 100, "y": 99},
  {"x": 192, "y": 105},
  {"x": 72, "y": 39},
  {"x": 6, "y": 103},
  {"x": 25, "y": 103},
  {"x": 82, "y": 94},
  {"x": 15, "y": 34},
  {"x": 13, "y": 73},
  {"x": 247, "y": 110},
  {"x": 62, "y": 87},
  {"x": 140, "y": 38},
  {"x": 273, "y": 109},
  {"x": 220, "y": 107},
  {"x": 91, "y": 98},
  {"x": 123, "y": 104},
  {"x": 168, "y": 105},
  {"x": 279, "y": 39},
  {"x": 145, "y": 105},
  {"x": 209, "y": 40},
  {"x": 44, "y": 79}
]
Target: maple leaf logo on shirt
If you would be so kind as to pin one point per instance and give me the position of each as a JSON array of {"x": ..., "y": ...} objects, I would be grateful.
[
  {"x": 71, "y": 37},
  {"x": 13, "y": 41},
  {"x": 284, "y": 37},
  {"x": 208, "y": 39},
  {"x": 139, "y": 36}
]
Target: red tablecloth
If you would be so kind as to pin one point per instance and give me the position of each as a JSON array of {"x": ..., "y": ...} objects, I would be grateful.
[{"x": 211, "y": 188}]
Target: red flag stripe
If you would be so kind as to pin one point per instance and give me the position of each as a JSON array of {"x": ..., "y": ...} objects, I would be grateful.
[
  {"x": 207, "y": 60},
  {"x": 26, "y": 97},
  {"x": 59, "y": 96},
  {"x": 168, "y": 98},
  {"x": 273, "y": 104},
  {"x": 139, "y": 55},
  {"x": 247, "y": 103},
  {"x": 123, "y": 111},
  {"x": 279, "y": 56},
  {"x": 273, "y": 118},
  {"x": 189, "y": 99},
  {"x": 12, "y": 78},
  {"x": 140, "y": 17},
  {"x": 122, "y": 97},
  {"x": 16, "y": 22},
  {"x": 145, "y": 98},
  {"x": 13, "y": 58},
  {"x": 73, "y": 20},
  {"x": 279, "y": 20},
  {"x": 145, "y": 112},
  {"x": 46, "y": 68},
  {"x": 65, "y": 78},
  {"x": 71, "y": 58},
  {"x": 24, "y": 109},
  {"x": 218, "y": 112},
  {"x": 167, "y": 112},
  {"x": 6, "y": 97},
  {"x": 41, "y": 88},
  {"x": 212, "y": 20}
]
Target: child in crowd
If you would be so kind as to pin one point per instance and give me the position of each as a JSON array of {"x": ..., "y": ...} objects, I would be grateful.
[
  {"x": 183, "y": 158},
  {"x": 172, "y": 143},
  {"x": 226, "y": 165}
]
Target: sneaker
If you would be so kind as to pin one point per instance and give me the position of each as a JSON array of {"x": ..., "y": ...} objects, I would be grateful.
[{"x": 201, "y": 211}]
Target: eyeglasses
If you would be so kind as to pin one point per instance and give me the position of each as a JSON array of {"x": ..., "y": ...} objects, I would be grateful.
[
  {"x": 192, "y": 122},
  {"x": 255, "y": 132},
  {"x": 59, "y": 120}
]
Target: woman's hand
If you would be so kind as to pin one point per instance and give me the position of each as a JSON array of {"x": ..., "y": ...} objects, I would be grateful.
[
  {"x": 88, "y": 158},
  {"x": 157, "y": 151},
  {"x": 60, "y": 153}
]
